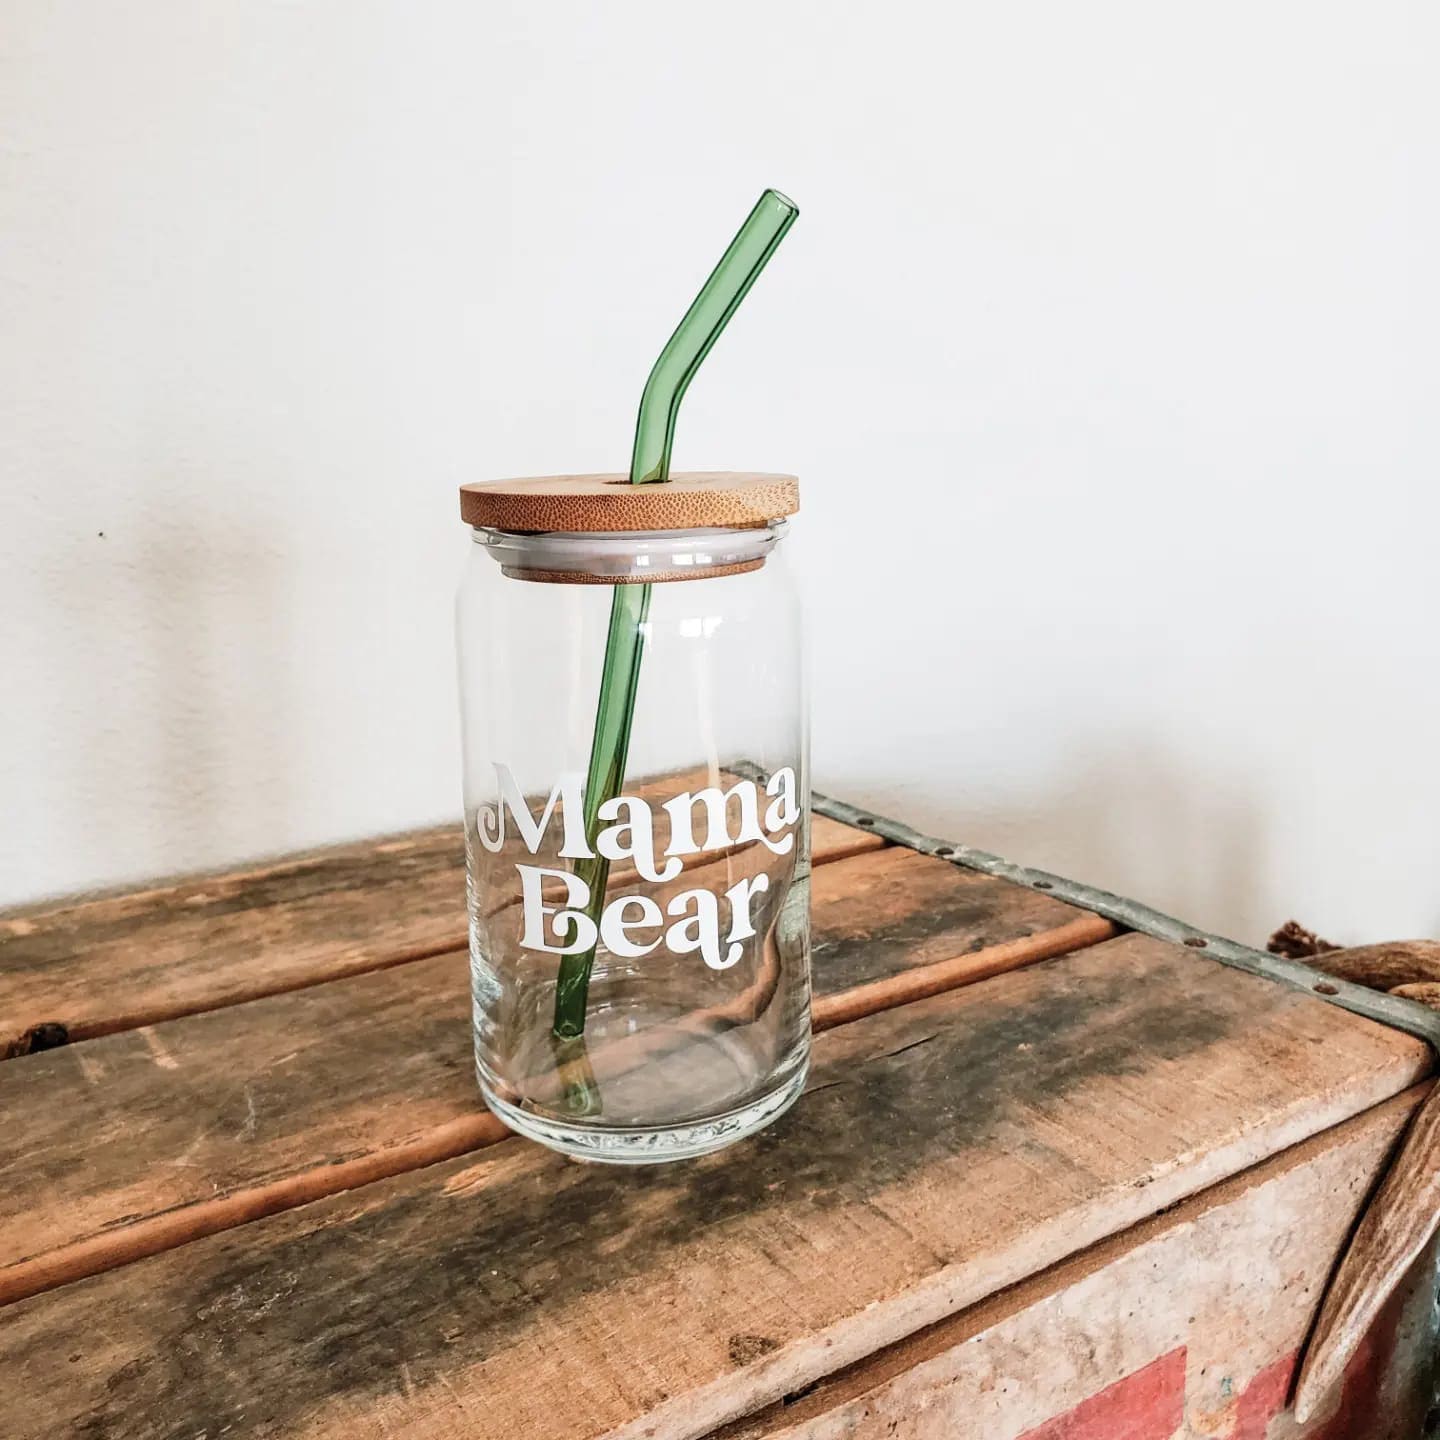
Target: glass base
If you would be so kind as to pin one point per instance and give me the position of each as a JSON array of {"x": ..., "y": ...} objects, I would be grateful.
[{"x": 654, "y": 1144}]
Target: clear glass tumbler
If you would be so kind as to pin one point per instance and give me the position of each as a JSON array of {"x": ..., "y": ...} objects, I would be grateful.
[{"x": 683, "y": 1020}]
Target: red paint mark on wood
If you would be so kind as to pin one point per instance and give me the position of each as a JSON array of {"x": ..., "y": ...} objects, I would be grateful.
[
  {"x": 1268, "y": 1394},
  {"x": 1355, "y": 1419},
  {"x": 1264, "y": 1398},
  {"x": 1148, "y": 1405}
]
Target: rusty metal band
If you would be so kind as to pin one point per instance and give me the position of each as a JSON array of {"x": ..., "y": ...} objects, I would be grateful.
[{"x": 1391, "y": 1010}]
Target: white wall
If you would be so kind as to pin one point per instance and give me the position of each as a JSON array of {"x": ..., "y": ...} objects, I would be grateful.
[{"x": 1106, "y": 347}]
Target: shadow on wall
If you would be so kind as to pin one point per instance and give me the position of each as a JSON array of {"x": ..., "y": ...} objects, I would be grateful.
[
  {"x": 167, "y": 647},
  {"x": 1128, "y": 819}
]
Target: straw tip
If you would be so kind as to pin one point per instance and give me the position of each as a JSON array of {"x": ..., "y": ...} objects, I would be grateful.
[{"x": 783, "y": 201}]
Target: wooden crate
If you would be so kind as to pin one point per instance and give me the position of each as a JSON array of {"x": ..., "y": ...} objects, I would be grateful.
[{"x": 1048, "y": 1180}]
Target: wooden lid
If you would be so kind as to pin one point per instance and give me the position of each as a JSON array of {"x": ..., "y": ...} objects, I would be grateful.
[{"x": 721, "y": 499}]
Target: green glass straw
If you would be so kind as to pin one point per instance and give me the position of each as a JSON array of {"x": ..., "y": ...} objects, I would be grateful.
[{"x": 707, "y": 316}]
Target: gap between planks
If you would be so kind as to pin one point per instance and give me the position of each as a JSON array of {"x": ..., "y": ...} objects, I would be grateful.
[
  {"x": 97, "y": 967},
  {"x": 151, "y": 1236}
]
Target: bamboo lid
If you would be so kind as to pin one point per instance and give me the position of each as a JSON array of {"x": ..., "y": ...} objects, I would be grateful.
[{"x": 710, "y": 499}]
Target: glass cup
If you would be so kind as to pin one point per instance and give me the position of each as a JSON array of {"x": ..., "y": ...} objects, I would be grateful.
[{"x": 641, "y": 982}]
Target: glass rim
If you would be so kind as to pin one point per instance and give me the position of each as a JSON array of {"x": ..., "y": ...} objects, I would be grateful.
[{"x": 629, "y": 556}]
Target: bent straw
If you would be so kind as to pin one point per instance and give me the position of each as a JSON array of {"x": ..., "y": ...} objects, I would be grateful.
[{"x": 707, "y": 316}]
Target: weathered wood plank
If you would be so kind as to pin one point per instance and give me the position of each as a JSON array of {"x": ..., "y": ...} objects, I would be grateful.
[
  {"x": 943, "y": 1151},
  {"x": 1102, "y": 1350},
  {"x": 76, "y": 971},
  {"x": 899, "y": 910},
  {"x": 138, "y": 1141}
]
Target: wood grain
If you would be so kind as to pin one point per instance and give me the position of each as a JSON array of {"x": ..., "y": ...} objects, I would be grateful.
[
  {"x": 898, "y": 910},
  {"x": 729, "y": 499},
  {"x": 1383, "y": 966},
  {"x": 838, "y": 1007},
  {"x": 1423, "y": 992},
  {"x": 944, "y": 1150},
  {"x": 79, "y": 970},
  {"x": 1242, "y": 1264},
  {"x": 1396, "y": 1228},
  {"x": 127, "y": 1145}
]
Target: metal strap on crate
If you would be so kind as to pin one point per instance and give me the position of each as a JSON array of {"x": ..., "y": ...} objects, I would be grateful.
[{"x": 1392, "y": 1010}]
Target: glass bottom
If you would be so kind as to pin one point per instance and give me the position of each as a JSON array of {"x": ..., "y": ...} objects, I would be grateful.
[{"x": 651, "y": 1145}]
